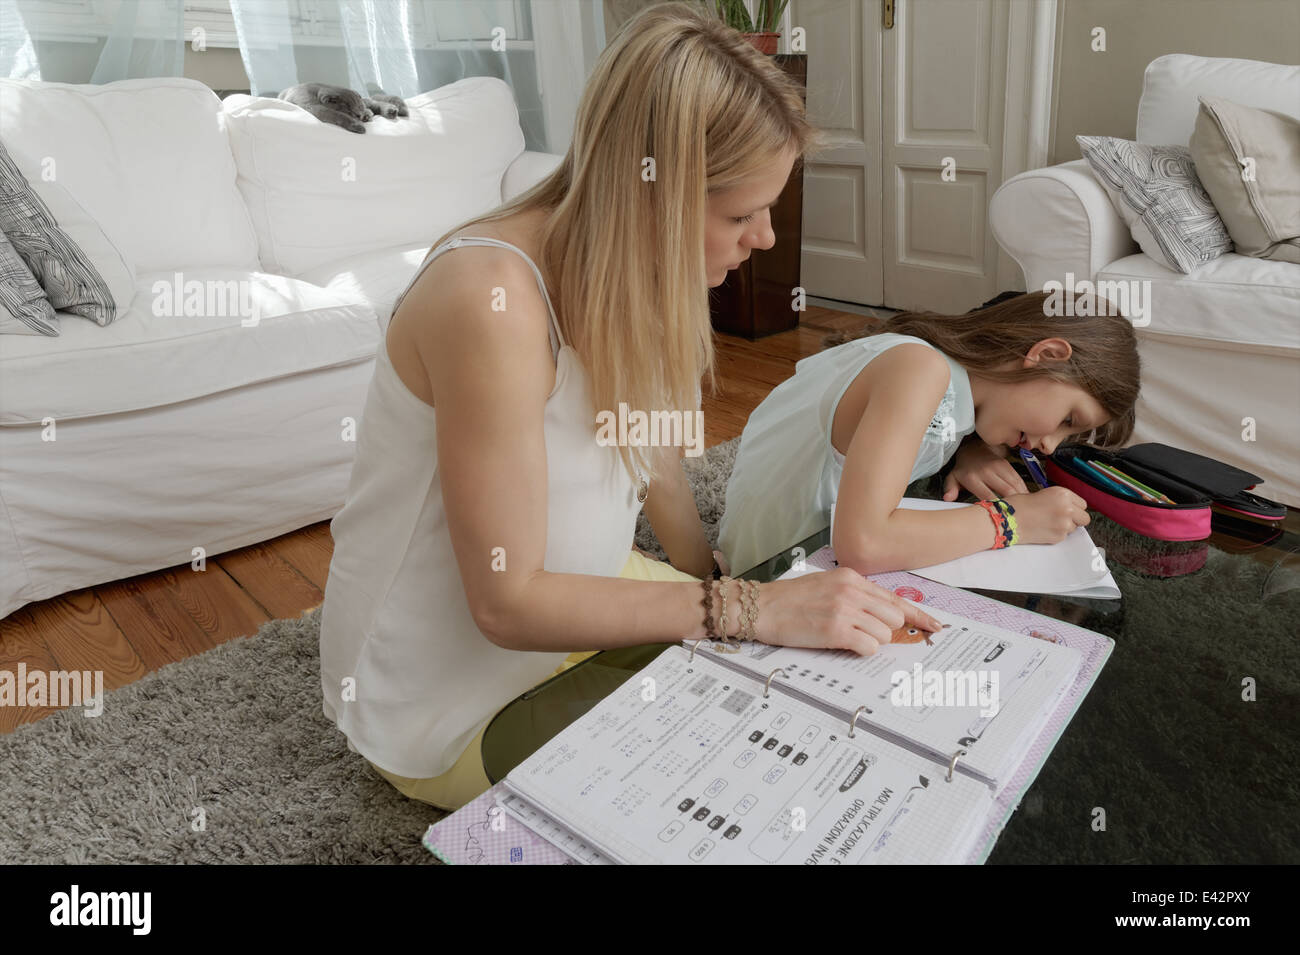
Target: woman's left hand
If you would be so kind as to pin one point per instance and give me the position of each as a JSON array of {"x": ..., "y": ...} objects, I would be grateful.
[{"x": 982, "y": 471}]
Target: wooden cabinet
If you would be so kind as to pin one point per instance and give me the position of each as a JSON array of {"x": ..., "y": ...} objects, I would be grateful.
[{"x": 756, "y": 298}]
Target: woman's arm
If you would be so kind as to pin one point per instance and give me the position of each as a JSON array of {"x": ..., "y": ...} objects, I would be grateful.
[
  {"x": 491, "y": 373},
  {"x": 673, "y": 514},
  {"x": 897, "y": 393}
]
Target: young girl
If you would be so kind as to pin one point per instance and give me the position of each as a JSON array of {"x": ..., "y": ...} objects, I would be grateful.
[
  {"x": 486, "y": 526},
  {"x": 841, "y": 440}
]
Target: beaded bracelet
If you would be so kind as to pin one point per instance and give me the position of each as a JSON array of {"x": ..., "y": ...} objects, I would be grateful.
[
  {"x": 751, "y": 613},
  {"x": 722, "y": 616},
  {"x": 709, "y": 632}
]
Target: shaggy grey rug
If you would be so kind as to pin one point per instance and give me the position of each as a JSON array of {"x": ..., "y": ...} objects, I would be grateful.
[{"x": 226, "y": 757}]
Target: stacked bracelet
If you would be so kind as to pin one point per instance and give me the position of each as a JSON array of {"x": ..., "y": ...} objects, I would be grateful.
[
  {"x": 1008, "y": 514},
  {"x": 749, "y": 614},
  {"x": 709, "y": 632},
  {"x": 1003, "y": 516},
  {"x": 746, "y": 619}
]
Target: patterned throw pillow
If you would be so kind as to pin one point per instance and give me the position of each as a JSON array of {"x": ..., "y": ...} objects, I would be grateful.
[
  {"x": 70, "y": 280},
  {"x": 1156, "y": 192},
  {"x": 24, "y": 309}
]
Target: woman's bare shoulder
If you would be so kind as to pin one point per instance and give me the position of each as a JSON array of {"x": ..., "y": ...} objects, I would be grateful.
[{"x": 465, "y": 296}]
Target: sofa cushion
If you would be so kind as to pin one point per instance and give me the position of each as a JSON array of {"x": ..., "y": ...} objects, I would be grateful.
[
  {"x": 79, "y": 268},
  {"x": 1248, "y": 160},
  {"x": 1172, "y": 84},
  {"x": 1235, "y": 298},
  {"x": 1156, "y": 192},
  {"x": 376, "y": 278},
  {"x": 320, "y": 194},
  {"x": 148, "y": 159},
  {"x": 24, "y": 307},
  {"x": 245, "y": 327}
]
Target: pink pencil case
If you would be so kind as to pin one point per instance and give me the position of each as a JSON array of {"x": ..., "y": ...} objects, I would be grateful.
[{"x": 1195, "y": 483}]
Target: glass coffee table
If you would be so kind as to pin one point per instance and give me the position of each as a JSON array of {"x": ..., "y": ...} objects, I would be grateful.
[{"x": 1185, "y": 742}]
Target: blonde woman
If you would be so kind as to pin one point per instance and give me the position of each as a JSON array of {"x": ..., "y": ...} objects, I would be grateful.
[{"x": 487, "y": 533}]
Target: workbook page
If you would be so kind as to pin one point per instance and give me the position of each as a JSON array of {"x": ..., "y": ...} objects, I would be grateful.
[
  {"x": 970, "y": 686},
  {"x": 688, "y": 763}
]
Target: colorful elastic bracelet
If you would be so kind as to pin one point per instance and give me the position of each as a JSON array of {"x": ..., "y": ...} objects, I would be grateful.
[
  {"x": 999, "y": 539},
  {"x": 1011, "y": 529}
]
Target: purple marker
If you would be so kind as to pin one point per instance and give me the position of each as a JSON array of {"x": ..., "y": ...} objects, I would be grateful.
[{"x": 1035, "y": 468}]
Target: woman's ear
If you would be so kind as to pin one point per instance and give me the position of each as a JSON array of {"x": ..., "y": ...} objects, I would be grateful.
[{"x": 1049, "y": 349}]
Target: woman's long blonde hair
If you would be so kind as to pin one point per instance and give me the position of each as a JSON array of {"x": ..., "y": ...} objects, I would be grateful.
[{"x": 624, "y": 252}]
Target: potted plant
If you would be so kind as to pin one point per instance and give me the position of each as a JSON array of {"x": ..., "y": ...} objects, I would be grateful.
[{"x": 760, "y": 31}]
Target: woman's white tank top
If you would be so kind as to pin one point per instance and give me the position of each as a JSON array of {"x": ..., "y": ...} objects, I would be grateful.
[
  {"x": 406, "y": 674},
  {"x": 787, "y": 473}
]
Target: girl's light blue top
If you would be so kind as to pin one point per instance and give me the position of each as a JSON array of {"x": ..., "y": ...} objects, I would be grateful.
[{"x": 787, "y": 473}]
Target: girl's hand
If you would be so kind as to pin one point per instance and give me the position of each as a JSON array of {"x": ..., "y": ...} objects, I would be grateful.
[
  {"x": 835, "y": 609},
  {"x": 1049, "y": 515},
  {"x": 985, "y": 473}
]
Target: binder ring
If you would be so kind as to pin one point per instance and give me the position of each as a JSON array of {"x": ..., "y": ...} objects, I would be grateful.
[
  {"x": 856, "y": 714},
  {"x": 768, "y": 684},
  {"x": 952, "y": 764},
  {"x": 693, "y": 646}
]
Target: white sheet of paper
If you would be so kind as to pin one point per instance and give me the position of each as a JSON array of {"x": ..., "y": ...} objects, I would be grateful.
[{"x": 1064, "y": 568}]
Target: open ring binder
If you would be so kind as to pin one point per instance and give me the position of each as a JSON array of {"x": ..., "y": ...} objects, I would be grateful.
[
  {"x": 768, "y": 685},
  {"x": 952, "y": 764},
  {"x": 856, "y": 714}
]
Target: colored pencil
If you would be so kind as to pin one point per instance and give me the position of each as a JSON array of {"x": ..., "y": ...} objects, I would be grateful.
[
  {"x": 1138, "y": 484},
  {"x": 1126, "y": 481},
  {"x": 1097, "y": 474}
]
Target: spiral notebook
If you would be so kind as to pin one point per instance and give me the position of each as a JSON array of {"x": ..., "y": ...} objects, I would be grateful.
[{"x": 786, "y": 756}]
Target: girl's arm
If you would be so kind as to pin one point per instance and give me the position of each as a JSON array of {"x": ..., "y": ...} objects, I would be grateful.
[
  {"x": 897, "y": 394},
  {"x": 491, "y": 373},
  {"x": 673, "y": 514}
]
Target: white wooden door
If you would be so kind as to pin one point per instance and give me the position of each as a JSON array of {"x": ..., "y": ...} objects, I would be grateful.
[
  {"x": 842, "y": 201},
  {"x": 945, "y": 66},
  {"x": 895, "y": 214}
]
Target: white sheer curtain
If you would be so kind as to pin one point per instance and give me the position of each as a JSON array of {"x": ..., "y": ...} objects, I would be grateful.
[
  {"x": 142, "y": 38},
  {"x": 402, "y": 47}
]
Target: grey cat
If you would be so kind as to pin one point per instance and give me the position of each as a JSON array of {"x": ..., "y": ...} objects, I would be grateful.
[
  {"x": 343, "y": 107},
  {"x": 330, "y": 104},
  {"x": 386, "y": 105}
]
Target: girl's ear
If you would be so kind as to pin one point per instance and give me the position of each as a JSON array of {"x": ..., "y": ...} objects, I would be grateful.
[{"x": 1049, "y": 349}]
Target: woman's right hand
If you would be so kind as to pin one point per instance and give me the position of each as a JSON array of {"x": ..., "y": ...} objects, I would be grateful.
[
  {"x": 835, "y": 609},
  {"x": 1048, "y": 516}
]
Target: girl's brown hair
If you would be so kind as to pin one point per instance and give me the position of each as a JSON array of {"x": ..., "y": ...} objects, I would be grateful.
[
  {"x": 1103, "y": 358},
  {"x": 624, "y": 250}
]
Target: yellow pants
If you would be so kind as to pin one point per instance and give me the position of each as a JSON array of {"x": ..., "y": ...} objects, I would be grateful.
[{"x": 466, "y": 780}]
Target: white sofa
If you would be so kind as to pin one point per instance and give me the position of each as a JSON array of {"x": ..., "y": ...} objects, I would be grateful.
[
  {"x": 1223, "y": 343},
  {"x": 223, "y": 427}
]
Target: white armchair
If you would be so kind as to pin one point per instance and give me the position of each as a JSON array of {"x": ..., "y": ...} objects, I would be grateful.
[{"x": 1221, "y": 351}]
